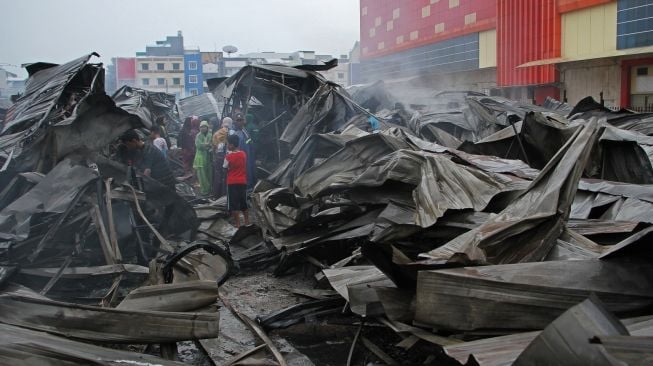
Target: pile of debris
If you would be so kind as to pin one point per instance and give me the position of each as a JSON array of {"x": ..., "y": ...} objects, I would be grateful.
[
  {"x": 476, "y": 220},
  {"x": 151, "y": 107},
  {"x": 476, "y": 229},
  {"x": 86, "y": 259}
]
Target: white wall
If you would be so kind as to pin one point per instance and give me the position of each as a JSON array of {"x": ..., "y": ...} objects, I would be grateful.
[{"x": 589, "y": 78}]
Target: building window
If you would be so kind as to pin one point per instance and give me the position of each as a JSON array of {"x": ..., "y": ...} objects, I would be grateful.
[
  {"x": 192, "y": 79},
  {"x": 175, "y": 66},
  {"x": 426, "y": 11},
  {"x": 145, "y": 67},
  {"x": 193, "y": 92},
  {"x": 176, "y": 81},
  {"x": 146, "y": 81},
  {"x": 634, "y": 25},
  {"x": 160, "y": 66},
  {"x": 470, "y": 18},
  {"x": 341, "y": 75},
  {"x": 192, "y": 65},
  {"x": 642, "y": 71},
  {"x": 161, "y": 81}
]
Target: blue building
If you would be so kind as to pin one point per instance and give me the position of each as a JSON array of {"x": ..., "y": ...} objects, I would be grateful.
[{"x": 194, "y": 80}]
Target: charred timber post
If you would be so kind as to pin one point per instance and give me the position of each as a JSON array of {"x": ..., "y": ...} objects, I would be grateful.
[
  {"x": 283, "y": 92},
  {"x": 601, "y": 98},
  {"x": 350, "y": 357},
  {"x": 511, "y": 120}
]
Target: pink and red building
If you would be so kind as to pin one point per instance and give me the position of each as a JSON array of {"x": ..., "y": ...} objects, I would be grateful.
[
  {"x": 524, "y": 49},
  {"x": 121, "y": 71}
]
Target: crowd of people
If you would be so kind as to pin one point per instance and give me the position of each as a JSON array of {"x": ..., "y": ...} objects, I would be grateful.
[{"x": 219, "y": 155}]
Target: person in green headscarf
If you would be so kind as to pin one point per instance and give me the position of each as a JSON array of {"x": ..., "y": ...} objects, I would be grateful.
[
  {"x": 251, "y": 127},
  {"x": 202, "y": 162}
]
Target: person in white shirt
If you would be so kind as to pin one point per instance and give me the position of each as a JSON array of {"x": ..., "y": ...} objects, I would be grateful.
[{"x": 158, "y": 141}]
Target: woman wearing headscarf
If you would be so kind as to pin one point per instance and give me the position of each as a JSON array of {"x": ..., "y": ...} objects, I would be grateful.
[
  {"x": 202, "y": 162},
  {"x": 219, "y": 151},
  {"x": 188, "y": 133}
]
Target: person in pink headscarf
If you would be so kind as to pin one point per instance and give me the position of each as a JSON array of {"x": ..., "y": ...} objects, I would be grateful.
[{"x": 189, "y": 131}]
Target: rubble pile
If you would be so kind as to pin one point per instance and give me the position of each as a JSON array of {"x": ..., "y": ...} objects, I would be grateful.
[
  {"x": 475, "y": 229},
  {"x": 149, "y": 106},
  {"x": 477, "y": 217},
  {"x": 92, "y": 253}
]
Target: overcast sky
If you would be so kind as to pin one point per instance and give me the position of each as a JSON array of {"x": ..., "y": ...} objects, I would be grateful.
[{"x": 61, "y": 30}]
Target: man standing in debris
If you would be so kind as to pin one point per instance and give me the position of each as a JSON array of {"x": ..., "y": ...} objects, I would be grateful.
[
  {"x": 146, "y": 158},
  {"x": 219, "y": 151},
  {"x": 245, "y": 141},
  {"x": 236, "y": 164},
  {"x": 158, "y": 141},
  {"x": 202, "y": 162}
]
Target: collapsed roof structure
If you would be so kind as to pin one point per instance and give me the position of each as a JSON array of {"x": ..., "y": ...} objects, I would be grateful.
[
  {"x": 148, "y": 106},
  {"x": 477, "y": 225},
  {"x": 478, "y": 215},
  {"x": 83, "y": 236},
  {"x": 289, "y": 104}
]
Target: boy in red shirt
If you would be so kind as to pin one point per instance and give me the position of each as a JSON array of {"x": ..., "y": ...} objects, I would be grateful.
[{"x": 236, "y": 164}]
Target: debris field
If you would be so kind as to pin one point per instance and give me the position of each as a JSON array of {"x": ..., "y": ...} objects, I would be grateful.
[{"x": 463, "y": 229}]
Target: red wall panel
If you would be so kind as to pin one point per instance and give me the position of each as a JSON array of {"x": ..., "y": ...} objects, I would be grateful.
[
  {"x": 565, "y": 6},
  {"x": 527, "y": 31},
  {"x": 541, "y": 93},
  {"x": 410, "y": 19},
  {"x": 126, "y": 68}
]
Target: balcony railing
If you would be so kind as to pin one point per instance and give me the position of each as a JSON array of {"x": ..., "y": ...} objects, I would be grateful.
[{"x": 647, "y": 109}]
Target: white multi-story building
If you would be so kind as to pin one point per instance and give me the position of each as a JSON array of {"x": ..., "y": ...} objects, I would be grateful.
[{"x": 161, "y": 74}]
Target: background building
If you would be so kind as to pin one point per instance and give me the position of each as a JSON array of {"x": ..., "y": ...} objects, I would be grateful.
[
  {"x": 121, "y": 71},
  {"x": 212, "y": 66},
  {"x": 161, "y": 74},
  {"x": 194, "y": 78},
  {"x": 525, "y": 50},
  {"x": 233, "y": 64},
  {"x": 169, "y": 66},
  {"x": 171, "y": 46},
  {"x": 355, "y": 64}
]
